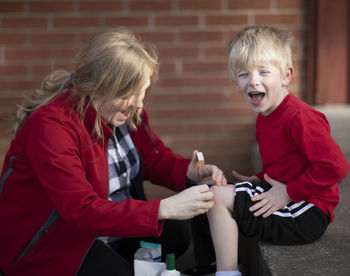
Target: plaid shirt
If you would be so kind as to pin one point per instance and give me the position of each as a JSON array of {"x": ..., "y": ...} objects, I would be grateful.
[{"x": 123, "y": 164}]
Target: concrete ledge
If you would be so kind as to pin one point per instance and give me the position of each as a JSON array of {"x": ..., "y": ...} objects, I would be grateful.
[{"x": 328, "y": 256}]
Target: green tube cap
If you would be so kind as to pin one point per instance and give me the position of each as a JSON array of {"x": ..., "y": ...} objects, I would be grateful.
[{"x": 170, "y": 261}]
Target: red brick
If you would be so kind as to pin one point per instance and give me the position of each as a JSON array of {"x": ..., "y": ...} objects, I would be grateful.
[
  {"x": 51, "y": 6},
  {"x": 205, "y": 97},
  {"x": 150, "y": 5},
  {"x": 198, "y": 113},
  {"x": 27, "y": 54},
  {"x": 211, "y": 67},
  {"x": 176, "y": 20},
  {"x": 9, "y": 102},
  {"x": 170, "y": 128},
  {"x": 13, "y": 70},
  {"x": 4, "y": 85},
  {"x": 25, "y": 85},
  {"x": 226, "y": 19},
  {"x": 100, "y": 6},
  {"x": 4, "y": 144},
  {"x": 67, "y": 53},
  {"x": 24, "y": 22},
  {"x": 181, "y": 82},
  {"x": 215, "y": 51},
  {"x": 54, "y": 38},
  {"x": 229, "y": 34},
  {"x": 166, "y": 67},
  {"x": 211, "y": 141},
  {"x": 300, "y": 34},
  {"x": 87, "y": 36},
  {"x": 279, "y": 19},
  {"x": 195, "y": 81},
  {"x": 295, "y": 4},
  {"x": 7, "y": 38},
  {"x": 200, "y": 4},
  {"x": 154, "y": 36},
  {"x": 11, "y": 6},
  {"x": 76, "y": 22},
  {"x": 164, "y": 52},
  {"x": 42, "y": 70},
  {"x": 219, "y": 81},
  {"x": 251, "y": 4},
  {"x": 127, "y": 21},
  {"x": 201, "y": 36}
]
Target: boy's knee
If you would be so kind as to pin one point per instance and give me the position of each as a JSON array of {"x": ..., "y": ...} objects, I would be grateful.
[{"x": 223, "y": 196}]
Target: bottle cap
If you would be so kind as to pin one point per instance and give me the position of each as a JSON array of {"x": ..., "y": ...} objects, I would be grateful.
[{"x": 170, "y": 261}]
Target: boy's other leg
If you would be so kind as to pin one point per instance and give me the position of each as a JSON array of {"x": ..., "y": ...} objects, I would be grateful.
[{"x": 223, "y": 227}]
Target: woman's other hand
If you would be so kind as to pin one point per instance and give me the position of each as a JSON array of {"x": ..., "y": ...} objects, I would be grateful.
[
  {"x": 210, "y": 174},
  {"x": 187, "y": 204}
]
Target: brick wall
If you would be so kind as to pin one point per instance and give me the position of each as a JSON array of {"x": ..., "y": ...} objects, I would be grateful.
[{"x": 195, "y": 105}]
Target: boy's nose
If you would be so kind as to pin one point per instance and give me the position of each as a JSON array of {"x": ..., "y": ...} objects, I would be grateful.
[{"x": 254, "y": 79}]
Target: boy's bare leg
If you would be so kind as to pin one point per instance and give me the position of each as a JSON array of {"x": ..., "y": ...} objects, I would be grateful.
[{"x": 224, "y": 229}]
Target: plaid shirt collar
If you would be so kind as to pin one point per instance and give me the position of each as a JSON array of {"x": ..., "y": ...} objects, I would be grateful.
[{"x": 123, "y": 163}]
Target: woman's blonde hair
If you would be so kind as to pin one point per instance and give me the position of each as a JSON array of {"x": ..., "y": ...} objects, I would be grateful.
[
  {"x": 260, "y": 44},
  {"x": 113, "y": 65}
]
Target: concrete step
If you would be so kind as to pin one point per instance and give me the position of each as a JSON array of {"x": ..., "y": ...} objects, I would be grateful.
[{"x": 328, "y": 256}]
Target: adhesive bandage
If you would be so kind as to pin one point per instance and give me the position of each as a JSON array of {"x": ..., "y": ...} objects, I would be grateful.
[{"x": 200, "y": 158}]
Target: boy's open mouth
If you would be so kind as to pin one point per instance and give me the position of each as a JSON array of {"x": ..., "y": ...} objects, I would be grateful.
[{"x": 256, "y": 97}]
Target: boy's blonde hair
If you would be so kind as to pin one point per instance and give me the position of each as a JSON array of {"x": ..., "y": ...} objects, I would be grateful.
[
  {"x": 257, "y": 45},
  {"x": 113, "y": 65}
]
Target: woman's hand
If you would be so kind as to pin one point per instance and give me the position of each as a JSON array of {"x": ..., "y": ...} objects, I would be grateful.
[
  {"x": 186, "y": 204},
  {"x": 210, "y": 174},
  {"x": 272, "y": 200},
  {"x": 251, "y": 179}
]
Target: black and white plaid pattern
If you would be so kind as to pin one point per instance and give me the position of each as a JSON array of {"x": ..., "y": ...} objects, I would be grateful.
[{"x": 123, "y": 164}]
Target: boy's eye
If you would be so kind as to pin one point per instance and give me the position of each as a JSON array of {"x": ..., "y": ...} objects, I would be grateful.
[
  {"x": 242, "y": 75},
  {"x": 264, "y": 72}
]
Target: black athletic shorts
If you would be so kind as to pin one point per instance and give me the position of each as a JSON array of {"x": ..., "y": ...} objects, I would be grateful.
[{"x": 295, "y": 223}]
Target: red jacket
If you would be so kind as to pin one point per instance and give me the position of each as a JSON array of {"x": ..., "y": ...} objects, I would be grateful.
[{"x": 53, "y": 166}]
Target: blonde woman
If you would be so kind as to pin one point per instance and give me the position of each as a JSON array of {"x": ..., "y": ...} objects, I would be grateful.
[{"x": 80, "y": 151}]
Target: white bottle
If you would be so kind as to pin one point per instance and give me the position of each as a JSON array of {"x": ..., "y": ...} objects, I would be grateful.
[{"x": 170, "y": 266}]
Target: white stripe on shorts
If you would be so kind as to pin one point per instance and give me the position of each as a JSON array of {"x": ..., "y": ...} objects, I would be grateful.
[
  {"x": 294, "y": 210},
  {"x": 306, "y": 206}
]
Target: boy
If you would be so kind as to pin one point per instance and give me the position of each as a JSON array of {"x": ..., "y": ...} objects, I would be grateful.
[{"x": 291, "y": 201}]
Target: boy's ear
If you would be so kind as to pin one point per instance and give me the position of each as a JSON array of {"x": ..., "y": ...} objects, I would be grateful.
[{"x": 287, "y": 77}]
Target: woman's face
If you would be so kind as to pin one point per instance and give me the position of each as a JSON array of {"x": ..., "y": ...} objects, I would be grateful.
[{"x": 116, "y": 112}]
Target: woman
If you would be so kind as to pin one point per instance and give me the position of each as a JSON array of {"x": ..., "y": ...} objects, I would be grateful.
[{"x": 62, "y": 196}]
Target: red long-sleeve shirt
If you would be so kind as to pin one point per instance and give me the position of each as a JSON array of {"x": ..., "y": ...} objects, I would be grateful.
[{"x": 297, "y": 149}]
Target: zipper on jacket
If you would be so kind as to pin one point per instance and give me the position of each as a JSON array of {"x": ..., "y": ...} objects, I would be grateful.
[
  {"x": 150, "y": 136},
  {"x": 43, "y": 229},
  {"x": 8, "y": 172}
]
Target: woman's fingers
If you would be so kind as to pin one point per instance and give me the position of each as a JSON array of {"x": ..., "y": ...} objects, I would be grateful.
[{"x": 187, "y": 204}]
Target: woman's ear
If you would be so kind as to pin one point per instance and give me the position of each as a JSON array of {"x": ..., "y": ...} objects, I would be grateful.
[{"x": 287, "y": 77}]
